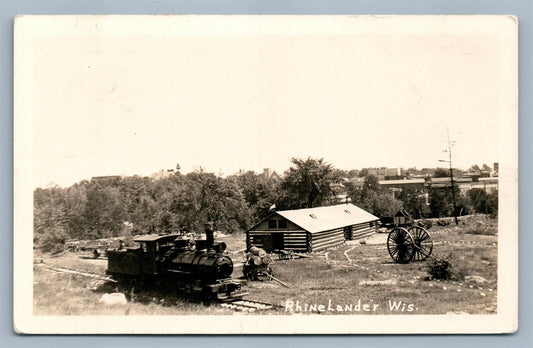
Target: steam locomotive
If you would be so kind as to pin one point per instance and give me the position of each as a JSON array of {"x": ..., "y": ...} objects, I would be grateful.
[{"x": 196, "y": 267}]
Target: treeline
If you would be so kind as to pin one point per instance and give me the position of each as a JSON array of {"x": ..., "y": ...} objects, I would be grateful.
[
  {"x": 184, "y": 202},
  {"x": 139, "y": 205}
]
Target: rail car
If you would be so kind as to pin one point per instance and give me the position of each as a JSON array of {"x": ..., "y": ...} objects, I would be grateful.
[
  {"x": 402, "y": 219},
  {"x": 198, "y": 267}
]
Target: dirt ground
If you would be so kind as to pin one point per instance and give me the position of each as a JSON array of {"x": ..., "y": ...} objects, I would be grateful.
[{"x": 358, "y": 277}]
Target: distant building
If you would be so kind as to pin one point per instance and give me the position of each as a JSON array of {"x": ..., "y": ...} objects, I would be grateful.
[
  {"x": 488, "y": 184},
  {"x": 445, "y": 182},
  {"x": 162, "y": 174},
  {"x": 270, "y": 174},
  {"x": 422, "y": 185},
  {"x": 106, "y": 177},
  {"x": 384, "y": 173},
  {"x": 485, "y": 173},
  {"x": 396, "y": 186},
  {"x": 340, "y": 194}
]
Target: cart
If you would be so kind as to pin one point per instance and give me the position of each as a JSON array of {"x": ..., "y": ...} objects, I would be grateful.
[{"x": 405, "y": 245}]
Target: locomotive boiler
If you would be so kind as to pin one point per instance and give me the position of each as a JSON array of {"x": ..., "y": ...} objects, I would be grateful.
[
  {"x": 194, "y": 266},
  {"x": 201, "y": 265}
]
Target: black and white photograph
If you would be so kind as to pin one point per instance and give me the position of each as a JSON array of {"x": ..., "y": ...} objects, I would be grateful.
[{"x": 265, "y": 174}]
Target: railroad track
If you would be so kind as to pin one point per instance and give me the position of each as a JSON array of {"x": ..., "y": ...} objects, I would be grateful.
[
  {"x": 78, "y": 272},
  {"x": 248, "y": 306},
  {"x": 236, "y": 305}
]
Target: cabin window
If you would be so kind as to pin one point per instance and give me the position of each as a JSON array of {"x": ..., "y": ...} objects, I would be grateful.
[
  {"x": 282, "y": 224},
  {"x": 313, "y": 216},
  {"x": 272, "y": 224},
  {"x": 347, "y": 211}
]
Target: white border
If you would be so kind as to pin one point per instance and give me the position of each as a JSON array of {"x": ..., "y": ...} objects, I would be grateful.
[{"x": 28, "y": 27}]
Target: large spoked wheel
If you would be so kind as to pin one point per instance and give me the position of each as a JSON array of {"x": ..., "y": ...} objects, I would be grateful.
[
  {"x": 423, "y": 243},
  {"x": 401, "y": 245}
]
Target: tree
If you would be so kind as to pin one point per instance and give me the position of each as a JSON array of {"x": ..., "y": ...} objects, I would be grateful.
[
  {"x": 363, "y": 173},
  {"x": 258, "y": 191},
  {"x": 340, "y": 173},
  {"x": 307, "y": 184},
  {"x": 483, "y": 202},
  {"x": 370, "y": 196},
  {"x": 382, "y": 204},
  {"x": 353, "y": 173},
  {"x": 75, "y": 204},
  {"x": 492, "y": 203},
  {"x": 371, "y": 183},
  {"x": 205, "y": 197},
  {"x": 486, "y": 167},
  {"x": 105, "y": 211},
  {"x": 478, "y": 200},
  {"x": 360, "y": 194},
  {"x": 474, "y": 169},
  {"x": 140, "y": 203},
  {"x": 413, "y": 171},
  {"x": 378, "y": 203},
  {"x": 441, "y": 202},
  {"x": 414, "y": 202},
  {"x": 48, "y": 213},
  {"x": 441, "y": 173},
  {"x": 54, "y": 239}
]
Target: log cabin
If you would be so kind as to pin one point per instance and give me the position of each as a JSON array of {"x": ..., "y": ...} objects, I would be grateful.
[{"x": 311, "y": 229}]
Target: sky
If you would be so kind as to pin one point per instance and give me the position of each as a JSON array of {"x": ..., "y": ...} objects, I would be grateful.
[{"x": 133, "y": 104}]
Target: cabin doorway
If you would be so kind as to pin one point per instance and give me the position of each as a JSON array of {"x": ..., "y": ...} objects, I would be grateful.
[
  {"x": 348, "y": 233},
  {"x": 278, "y": 241}
]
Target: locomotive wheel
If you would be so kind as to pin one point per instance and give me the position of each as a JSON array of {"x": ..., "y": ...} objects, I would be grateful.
[
  {"x": 401, "y": 245},
  {"x": 423, "y": 243}
]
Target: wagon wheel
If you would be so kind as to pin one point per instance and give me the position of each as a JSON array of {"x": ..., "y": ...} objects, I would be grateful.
[
  {"x": 423, "y": 243},
  {"x": 268, "y": 271},
  {"x": 401, "y": 245}
]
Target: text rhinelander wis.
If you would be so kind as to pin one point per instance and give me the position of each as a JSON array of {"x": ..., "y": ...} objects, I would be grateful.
[{"x": 357, "y": 306}]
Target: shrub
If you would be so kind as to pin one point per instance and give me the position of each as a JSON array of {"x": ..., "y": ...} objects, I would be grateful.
[
  {"x": 443, "y": 222},
  {"x": 482, "y": 229},
  {"x": 53, "y": 240},
  {"x": 440, "y": 267}
]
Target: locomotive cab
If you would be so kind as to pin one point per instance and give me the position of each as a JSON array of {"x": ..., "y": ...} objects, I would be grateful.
[{"x": 141, "y": 261}]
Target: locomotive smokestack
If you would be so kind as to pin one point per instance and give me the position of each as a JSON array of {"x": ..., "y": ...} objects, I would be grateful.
[{"x": 209, "y": 236}]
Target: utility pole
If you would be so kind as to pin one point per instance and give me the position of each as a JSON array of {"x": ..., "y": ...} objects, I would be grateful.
[{"x": 451, "y": 176}]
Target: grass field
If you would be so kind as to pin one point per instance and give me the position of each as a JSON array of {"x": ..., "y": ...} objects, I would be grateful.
[{"x": 355, "y": 278}]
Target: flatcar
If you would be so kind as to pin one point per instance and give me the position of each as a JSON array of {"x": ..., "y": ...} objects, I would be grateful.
[{"x": 198, "y": 267}]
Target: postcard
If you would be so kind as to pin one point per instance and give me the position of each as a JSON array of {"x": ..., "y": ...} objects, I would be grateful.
[{"x": 265, "y": 174}]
